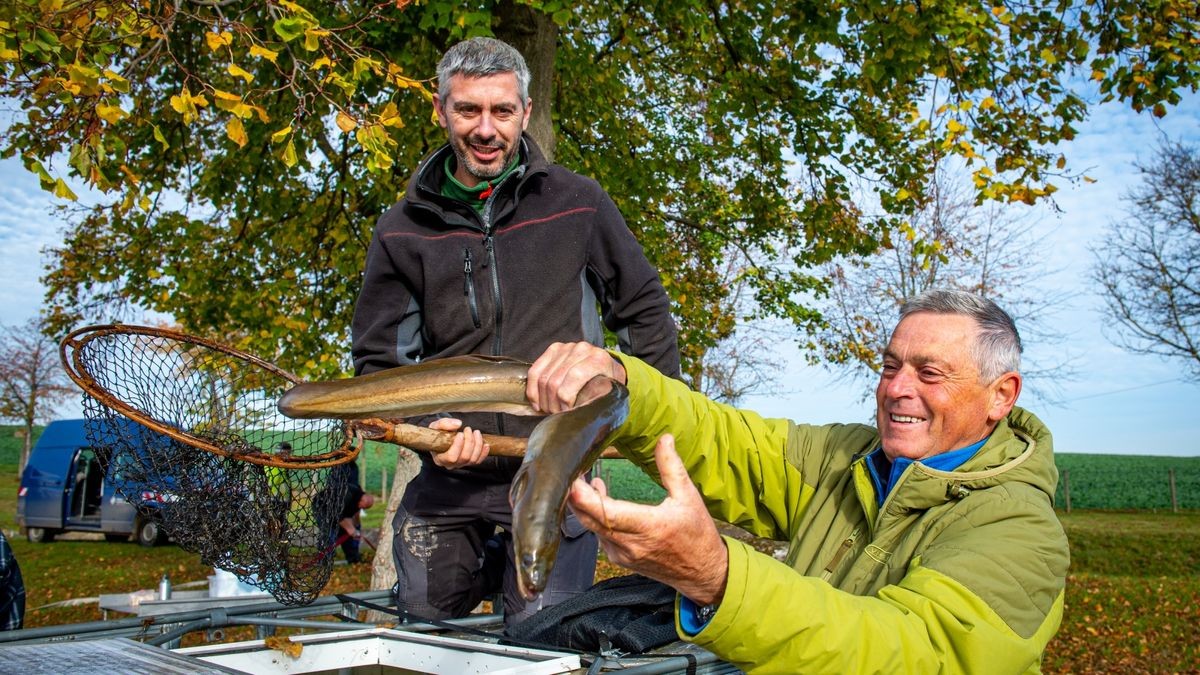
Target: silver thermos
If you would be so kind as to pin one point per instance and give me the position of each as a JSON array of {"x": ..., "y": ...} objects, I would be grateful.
[{"x": 164, "y": 587}]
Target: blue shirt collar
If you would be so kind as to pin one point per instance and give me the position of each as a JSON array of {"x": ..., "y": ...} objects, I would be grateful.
[{"x": 878, "y": 464}]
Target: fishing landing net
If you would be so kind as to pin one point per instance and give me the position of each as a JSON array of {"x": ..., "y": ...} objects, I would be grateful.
[{"x": 198, "y": 443}]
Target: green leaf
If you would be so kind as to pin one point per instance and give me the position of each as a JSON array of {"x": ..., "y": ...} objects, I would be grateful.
[{"x": 291, "y": 27}]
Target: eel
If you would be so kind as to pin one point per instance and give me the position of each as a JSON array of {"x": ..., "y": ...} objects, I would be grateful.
[
  {"x": 562, "y": 447},
  {"x": 472, "y": 383}
]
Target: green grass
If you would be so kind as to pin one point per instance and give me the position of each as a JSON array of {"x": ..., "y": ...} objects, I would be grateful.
[{"x": 1133, "y": 595}]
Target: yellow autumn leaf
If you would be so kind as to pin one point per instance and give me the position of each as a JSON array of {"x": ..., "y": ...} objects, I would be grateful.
[
  {"x": 955, "y": 127},
  {"x": 62, "y": 191},
  {"x": 345, "y": 122},
  {"x": 293, "y": 7},
  {"x": 182, "y": 104},
  {"x": 110, "y": 113},
  {"x": 158, "y": 136},
  {"x": 902, "y": 195},
  {"x": 263, "y": 52},
  {"x": 236, "y": 132},
  {"x": 116, "y": 82},
  {"x": 281, "y": 134},
  {"x": 322, "y": 62},
  {"x": 9, "y": 54},
  {"x": 312, "y": 38},
  {"x": 987, "y": 103},
  {"x": 289, "y": 155},
  {"x": 262, "y": 114},
  {"x": 237, "y": 71},
  {"x": 217, "y": 40},
  {"x": 390, "y": 117}
]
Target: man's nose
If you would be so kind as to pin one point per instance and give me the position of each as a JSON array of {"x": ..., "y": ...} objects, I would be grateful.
[
  {"x": 901, "y": 383},
  {"x": 487, "y": 126}
]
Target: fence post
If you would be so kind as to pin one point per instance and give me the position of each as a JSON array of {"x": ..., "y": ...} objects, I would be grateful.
[
  {"x": 1067, "y": 488},
  {"x": 1171, "y": 479}
]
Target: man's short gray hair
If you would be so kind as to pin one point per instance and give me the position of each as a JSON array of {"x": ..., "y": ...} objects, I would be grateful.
[
  {"x": 997, "y": 348},
  {"x": 479, "y": 57}
]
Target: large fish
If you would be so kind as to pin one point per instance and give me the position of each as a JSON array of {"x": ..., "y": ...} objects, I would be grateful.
[
  {"x": 473, "y": 383},
  {"x": 561, "y": 447}
]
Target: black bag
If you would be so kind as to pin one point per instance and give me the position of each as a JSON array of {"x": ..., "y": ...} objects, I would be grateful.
[{"x": 632, "y": 613}]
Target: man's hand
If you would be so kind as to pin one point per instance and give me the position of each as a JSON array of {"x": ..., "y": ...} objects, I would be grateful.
[
  {"x": 557, "y": 376},
  {"x": 675, "y": 542},
  {"x": 467, "y": 448}
]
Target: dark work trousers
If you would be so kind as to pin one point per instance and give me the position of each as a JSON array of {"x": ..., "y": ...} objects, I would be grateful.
[{"x": 447, "y": 559}]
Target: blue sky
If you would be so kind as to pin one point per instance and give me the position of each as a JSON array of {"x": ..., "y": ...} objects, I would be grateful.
[{"x": 1119, "y": 403}]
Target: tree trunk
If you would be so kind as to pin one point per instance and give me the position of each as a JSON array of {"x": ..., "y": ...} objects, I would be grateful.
[
  {"x": 25, "y": 451},
  {"x": 536, "y": 37},
  {"x": 383, "y": 571}
]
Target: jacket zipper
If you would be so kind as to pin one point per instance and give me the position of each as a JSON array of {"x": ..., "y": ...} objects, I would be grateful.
[
  {"x": 848, "y": 544},
  {"x": 469, "y": 287},
  {"x": 489, "y": 244}
]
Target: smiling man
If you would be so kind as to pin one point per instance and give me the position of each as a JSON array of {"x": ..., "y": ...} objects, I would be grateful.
[
  {"x": 493, "y": 250},
  {"x": 926, "y": 545}
]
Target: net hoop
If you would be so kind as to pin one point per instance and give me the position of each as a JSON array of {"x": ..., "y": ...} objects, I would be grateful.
[{"x": 75, "y": 345}]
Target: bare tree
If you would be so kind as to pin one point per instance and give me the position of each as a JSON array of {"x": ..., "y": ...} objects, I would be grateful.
[
  {"x": 1149, "y": 266},
  {"x": 952, "y": 243},
  {"x": 32, "y": 380},
  {"x": 743, "y": 360}
]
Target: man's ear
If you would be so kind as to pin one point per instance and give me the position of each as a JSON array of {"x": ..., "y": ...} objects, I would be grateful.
[
  {"x": 528, "y": 112},
  {"x": 439, "y": 112},
  {"x": 1004, "y": 393}
]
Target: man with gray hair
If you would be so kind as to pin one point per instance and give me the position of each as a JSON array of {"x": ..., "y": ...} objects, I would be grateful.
[
  {"x": 926, "y": 543},
  {"x": 493, "y": 250}
]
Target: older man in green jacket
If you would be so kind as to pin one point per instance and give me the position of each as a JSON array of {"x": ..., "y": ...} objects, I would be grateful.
[{"x": 925, "y": 544}]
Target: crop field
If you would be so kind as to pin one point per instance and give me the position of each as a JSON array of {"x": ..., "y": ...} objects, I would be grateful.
[{"x": 1127, "y": 481}]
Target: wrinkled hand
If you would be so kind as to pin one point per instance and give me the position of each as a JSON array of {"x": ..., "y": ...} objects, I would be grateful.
[
  {"x": 675, "y": 542},
  {"x": 467, "y": 448},
  {"x": 558, "y": 375}
]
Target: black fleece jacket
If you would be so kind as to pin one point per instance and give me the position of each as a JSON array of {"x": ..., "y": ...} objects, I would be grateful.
[{"x": 531, "y": 269}]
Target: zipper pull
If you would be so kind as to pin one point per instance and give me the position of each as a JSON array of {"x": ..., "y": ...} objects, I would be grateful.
[
  {"x": 466, "y": 271},
  {"x": 487, "y": 245}
]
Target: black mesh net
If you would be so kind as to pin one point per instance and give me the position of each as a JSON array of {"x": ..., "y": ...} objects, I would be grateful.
[{"x": 198, "y": 444}]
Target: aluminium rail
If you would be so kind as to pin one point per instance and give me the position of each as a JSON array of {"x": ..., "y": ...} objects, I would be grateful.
[{"x": 165, "y": 630}]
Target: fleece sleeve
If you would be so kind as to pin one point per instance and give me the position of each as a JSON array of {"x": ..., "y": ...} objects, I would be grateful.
[
  {"x": 632, "y": 299},
  {"x": 386, "y": 329}
]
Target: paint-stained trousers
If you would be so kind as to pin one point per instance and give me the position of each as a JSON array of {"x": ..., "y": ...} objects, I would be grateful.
[{"x": 448, "y": 559}]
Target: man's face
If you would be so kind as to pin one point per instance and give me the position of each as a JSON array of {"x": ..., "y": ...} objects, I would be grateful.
[
  {"x": 930, "y": 399},
  {"x": 484, "y": 118}
]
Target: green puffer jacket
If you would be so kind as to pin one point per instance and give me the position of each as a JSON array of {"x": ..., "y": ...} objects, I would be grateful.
[{"x": 957, "y": 572}]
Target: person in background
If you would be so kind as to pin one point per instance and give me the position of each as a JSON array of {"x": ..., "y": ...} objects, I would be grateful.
[
  {"x": 349, "y": 527},
  {"x": 12, "y": 589},
  {"x": 927, "y": 543},
  {"x": 494, "y": 250}
]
